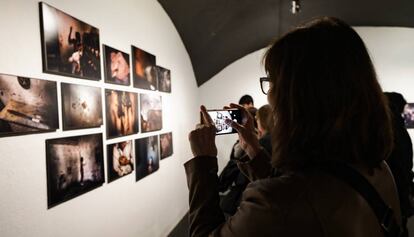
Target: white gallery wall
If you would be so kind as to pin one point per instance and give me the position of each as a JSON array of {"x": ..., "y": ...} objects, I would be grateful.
[
  {"x": 391, "y": 49},
  {"x": 149, "y": 207}
]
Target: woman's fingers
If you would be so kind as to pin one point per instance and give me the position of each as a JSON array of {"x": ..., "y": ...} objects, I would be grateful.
[{"x": 206, "y": 117}]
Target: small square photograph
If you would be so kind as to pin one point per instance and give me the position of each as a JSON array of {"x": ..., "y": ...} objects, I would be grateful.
[
  {"x": 164, "y": 79},
  {"x": 121, "y": 113},
  {"x": 70, "y": 47},
  {"x": 147, "y": 156},
  {"x": 166, "y": 145},
  {"x": 74, "y": 167},
  {"x": 81, "y": 106},
  {"x": 27, "y": 105},
  {"x": 116, "y": 66},
  {"x": 151, "y": 112},
  {"x": 144, "y": 69},
  {"x": 120, "y": 160},
  {"x": 408, "y": 115}
]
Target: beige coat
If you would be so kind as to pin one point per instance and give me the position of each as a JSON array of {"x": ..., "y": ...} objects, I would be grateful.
[{"x": 295, "y": 204}]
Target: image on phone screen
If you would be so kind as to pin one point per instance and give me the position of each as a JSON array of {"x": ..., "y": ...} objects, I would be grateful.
[{"x": 219, "y": 117}]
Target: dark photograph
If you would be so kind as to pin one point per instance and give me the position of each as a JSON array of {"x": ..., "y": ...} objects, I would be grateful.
[
  {"x": 81, "y": 106},
  {"x": 121, "y": 113},
  {"x": 151, "y": 112},
  {"x": 120, "y": 160},
  {"x": 74, "y": 166},
  {"x": 27, "y": 105},
  {"x": 116, "y": 64},
  {"x": 147, "y": 157},
  {"x": 408, "y": 115},
  {"x": 164, "y": 79},
  {"x": 144, "y": 69},
  {"x": 70, "y": 47},
  {"x": 166, "y": 145}
]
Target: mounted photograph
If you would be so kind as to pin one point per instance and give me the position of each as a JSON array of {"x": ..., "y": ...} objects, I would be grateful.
[
  {"x": 150, "y": 112},
  {"x": 166, "y": 145},
  {"x": 147, "y": 156},
  {"x": 70, "y": 47},
  {"x": 164, "y": 79},
  {"x": 120, "y": 160},
  {"x": 27, "y": 105},
  {"x": 116, "y": 66},
  {"x": 74, "y": 166},
  {"x": 81, "y": 106},
  {"x": 121, "y": 113},
  {"x": 144, "y": 69}
]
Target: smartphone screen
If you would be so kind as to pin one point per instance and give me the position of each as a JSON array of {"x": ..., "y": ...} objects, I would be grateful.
[{"x": 219, "y": 117}]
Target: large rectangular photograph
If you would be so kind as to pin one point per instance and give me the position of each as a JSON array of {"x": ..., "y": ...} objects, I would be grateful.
[
  {"x": 147, "y": 156},
  {"x": 70, "y": 47},
  {"x": 74, "y": 166},
  {"x": 166, "y": 145},
  {"x": 164, "y": 79},
  {"x": 116, "y": 64},
  {"x": 151, "y": 112},
  {"x": 120, "y": 157},
  {"x": 144, "y": 69},
  {"x": 81, "y": 106},
  {"x": 121, "y": 113},
  {"x": 27, "y": 105}
]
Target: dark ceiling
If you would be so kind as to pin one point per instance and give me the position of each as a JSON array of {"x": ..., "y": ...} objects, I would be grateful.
[{"x": 218, "y": 32}]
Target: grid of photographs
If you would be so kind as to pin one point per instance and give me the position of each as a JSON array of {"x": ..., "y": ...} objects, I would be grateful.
[
  {"x": 120, "y": 160},
  {"x": 116, "y": 64},
  {"x": 151, "y": 112},
  {"x": 74, "y": 166},
  {"x": 166, "y": 145},
  {"x": 147, "y": 156},
  {"x": 81, "y": 106},
  {"x": 144, "y": 69},
  {"x": 70, "y": 47},
  {"x": 27, "y": 105},
  {"x": 121, "y": 113}
]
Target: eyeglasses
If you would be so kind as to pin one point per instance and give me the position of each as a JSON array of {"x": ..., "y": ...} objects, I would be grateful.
[{"x": 265, "y": 84}]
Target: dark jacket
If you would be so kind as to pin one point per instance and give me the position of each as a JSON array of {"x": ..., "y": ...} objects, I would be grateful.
[
  {"x": 232, "y": 182},
  {"x": 309, "y": 203}
]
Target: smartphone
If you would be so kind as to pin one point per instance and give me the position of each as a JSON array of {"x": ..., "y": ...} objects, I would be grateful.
[{"x": 219, "y": 117}]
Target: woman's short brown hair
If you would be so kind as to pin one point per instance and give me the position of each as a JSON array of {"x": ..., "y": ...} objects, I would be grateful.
[{"x": 327, "y": 102}]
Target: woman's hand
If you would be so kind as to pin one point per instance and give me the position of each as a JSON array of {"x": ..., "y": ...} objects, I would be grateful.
[
  {"x": 247, "y": 134},
  {"x": 202, "y": 139}
]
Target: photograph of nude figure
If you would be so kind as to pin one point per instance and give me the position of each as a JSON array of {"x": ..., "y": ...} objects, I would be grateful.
[
  {"x": 27, "y": 105},
  {"x": 70, "y": 47},
  {"x": 121, "y": 113},
  {"x": 74, "y": 166}
]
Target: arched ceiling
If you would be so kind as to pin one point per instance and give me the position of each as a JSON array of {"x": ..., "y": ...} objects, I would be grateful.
[{"x": 218, "y": 32}]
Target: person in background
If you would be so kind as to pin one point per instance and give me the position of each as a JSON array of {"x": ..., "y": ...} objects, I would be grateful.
[
  {"x": 330, "y": 113},
  {"x": 401, "y": 158},
  {"x": 265, "y": 123},
  {"x": 246, "y": 101}
]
